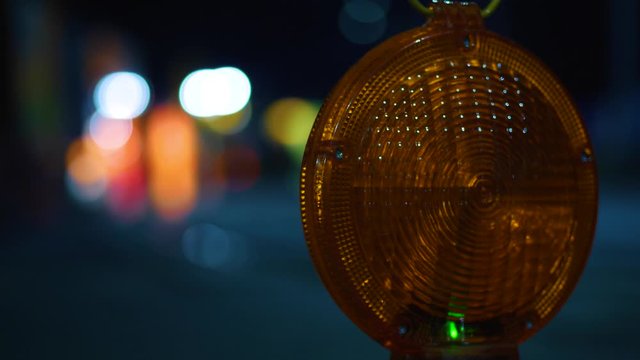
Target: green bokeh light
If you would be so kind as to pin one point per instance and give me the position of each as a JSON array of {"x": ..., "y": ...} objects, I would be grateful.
[{"x": 452, "y": 330}]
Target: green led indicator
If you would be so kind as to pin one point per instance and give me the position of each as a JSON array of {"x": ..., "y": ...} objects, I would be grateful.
[
  {"x": 457, "y": 312},
  {"x": 452, "y": 330}
]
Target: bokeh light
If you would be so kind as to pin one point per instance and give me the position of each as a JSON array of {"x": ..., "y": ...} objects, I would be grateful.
[
  {"x": 363, "y": 21},
  {"x": 121, "y": 95},
  {"x": 209, "y": 246},
  {"x": 109, "y": 134},
  {"x": 110, "y": 175},
  {"x": 288, "y": 121},
  {"x": 127, "y": 156},
  {"x": 383, "y": 4},
  {"x": 86, "y": 176},
  {"x": 230, "y": 124},
  {"x": 215, "y": 92},
  {"x": 89, "y": 193},
  {"x": 126, "y": 193},
  {"x": 172, "y": 151},
  {"x": 236, "y": 168}
]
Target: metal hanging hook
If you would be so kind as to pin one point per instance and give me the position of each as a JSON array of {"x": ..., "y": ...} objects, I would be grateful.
[{"x": 428, "y": 11}]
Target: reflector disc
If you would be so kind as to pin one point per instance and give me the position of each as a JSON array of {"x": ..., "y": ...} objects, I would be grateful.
[{"x": 448, "y": 189}]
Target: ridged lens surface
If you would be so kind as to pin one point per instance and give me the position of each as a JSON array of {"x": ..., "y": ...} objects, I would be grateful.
[{"x": 448, "y": 189}]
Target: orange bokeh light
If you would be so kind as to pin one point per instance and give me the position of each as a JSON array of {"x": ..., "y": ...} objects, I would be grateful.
[
  {"x": 172, "y": 154},
  {"x": 85, "y": 163}
]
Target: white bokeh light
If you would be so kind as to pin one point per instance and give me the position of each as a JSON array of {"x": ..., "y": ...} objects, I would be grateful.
[
  {"x": 121, "y": 95},
  {"x": 215, "y": 92},
  {"x": 109, "y": 134}
]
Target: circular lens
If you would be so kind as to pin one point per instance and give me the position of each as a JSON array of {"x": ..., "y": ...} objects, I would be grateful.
[{"x": 444, "y": 193}]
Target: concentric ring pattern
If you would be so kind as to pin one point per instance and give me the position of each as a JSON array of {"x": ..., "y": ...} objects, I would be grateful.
[{"x": 449, "y": 182}]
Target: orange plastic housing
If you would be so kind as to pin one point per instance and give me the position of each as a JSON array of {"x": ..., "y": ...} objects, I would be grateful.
[{"x": 448, "y": 189}]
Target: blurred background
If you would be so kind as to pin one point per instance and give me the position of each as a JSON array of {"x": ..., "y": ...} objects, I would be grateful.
[{"x": 142, "y": 219}]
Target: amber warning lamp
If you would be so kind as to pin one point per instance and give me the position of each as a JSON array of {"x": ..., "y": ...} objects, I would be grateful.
[{"x": 448, "y": 191}]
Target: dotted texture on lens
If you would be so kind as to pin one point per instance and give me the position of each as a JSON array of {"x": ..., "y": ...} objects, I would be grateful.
[{"x": 449, "y": 178}]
